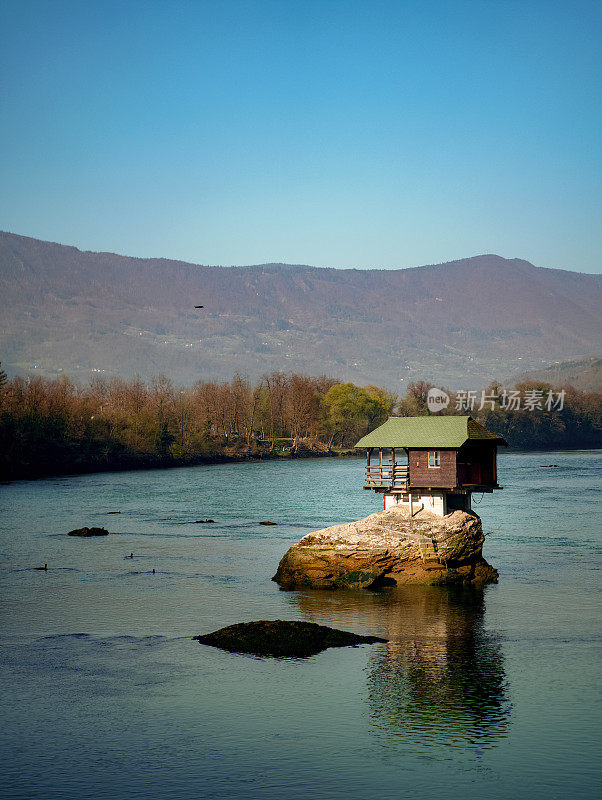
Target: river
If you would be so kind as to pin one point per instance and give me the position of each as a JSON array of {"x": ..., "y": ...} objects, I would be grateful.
[{"x": 105, "y": 695}]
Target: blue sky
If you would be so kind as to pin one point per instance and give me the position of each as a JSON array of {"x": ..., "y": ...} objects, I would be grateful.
[{"x": 345, "y": 134}]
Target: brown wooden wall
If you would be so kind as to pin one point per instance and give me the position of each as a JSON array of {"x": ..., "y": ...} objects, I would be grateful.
[
  {"x": 423, "y": 475},
  {"x": 477, "y": 464}
]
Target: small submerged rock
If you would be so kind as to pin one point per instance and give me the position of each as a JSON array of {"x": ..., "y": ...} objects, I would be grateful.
[
  {"x": 281, "y": 638},
  {"x": 268, "y": 523},
  {"x": 89, "y": 532}
]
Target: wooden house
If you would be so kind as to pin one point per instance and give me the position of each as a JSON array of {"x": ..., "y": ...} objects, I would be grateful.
[{"x": 435, "y": 463}]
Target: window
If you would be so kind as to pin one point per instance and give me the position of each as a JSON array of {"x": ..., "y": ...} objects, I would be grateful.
[{"x": 434, "y": 458}]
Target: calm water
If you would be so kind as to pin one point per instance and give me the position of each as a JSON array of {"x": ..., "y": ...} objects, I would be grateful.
[{"x": 105, "y": 695}]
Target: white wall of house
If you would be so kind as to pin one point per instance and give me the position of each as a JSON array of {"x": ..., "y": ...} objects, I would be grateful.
[{"x": 431, "y": 501}]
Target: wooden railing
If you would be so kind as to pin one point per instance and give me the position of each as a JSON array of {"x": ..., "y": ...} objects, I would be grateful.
[{"x": 388, "y": 476}]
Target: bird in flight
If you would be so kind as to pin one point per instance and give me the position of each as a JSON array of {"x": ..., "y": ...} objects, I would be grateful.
[{"x": 199, "y": 306}]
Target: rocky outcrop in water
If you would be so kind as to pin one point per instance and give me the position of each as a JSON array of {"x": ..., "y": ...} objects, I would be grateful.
[
  {"x": 387, "y": 549},
  {"x": 89, "y": 532},
  {"x": 282, "y": 638}
]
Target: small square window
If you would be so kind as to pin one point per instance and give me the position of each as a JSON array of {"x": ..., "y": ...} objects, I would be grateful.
[{"x": 434, "y": 458}]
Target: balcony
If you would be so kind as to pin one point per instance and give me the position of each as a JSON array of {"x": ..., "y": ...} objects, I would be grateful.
[{"x": 392, "y": 477}]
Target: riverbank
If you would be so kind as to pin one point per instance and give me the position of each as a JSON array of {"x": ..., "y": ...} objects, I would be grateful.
[
  {"x": 56, "y": 427},
  {"x": 128, "y": 463},
  {"x": 29, "y": 472}
]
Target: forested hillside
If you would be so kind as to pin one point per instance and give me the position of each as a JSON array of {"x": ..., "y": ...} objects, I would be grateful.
[
  {"x": 65, "y": 311},
  {"x": 584, "y": 374}
]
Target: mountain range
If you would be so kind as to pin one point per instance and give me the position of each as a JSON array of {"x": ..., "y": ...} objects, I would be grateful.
[
  {"x": 458, "y": 324},
  {"x": 584, "y": 374}
]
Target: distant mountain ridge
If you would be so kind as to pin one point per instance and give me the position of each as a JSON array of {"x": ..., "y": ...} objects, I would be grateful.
[
  {"x": 459, "y": 324},
  {"x": 584, "y": 374}
]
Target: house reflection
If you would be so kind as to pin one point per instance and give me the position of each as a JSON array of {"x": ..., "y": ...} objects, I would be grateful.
[{"x": 440, "y": 680}]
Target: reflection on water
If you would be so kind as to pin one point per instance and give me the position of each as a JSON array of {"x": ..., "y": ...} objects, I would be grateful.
[{"x": 440, "y": 680}]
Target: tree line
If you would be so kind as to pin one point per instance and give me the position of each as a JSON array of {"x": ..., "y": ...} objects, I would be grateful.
[
  {"x": 57, "y": 426},
  {"x": 53, "y": 426},
  {"x": 530, "y": 416}
]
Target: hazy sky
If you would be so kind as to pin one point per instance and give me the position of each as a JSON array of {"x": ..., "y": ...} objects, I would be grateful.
[{"x": 346, "y": 134}]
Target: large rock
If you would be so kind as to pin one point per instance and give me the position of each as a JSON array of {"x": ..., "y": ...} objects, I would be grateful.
[{"x": 387, "y": 549}]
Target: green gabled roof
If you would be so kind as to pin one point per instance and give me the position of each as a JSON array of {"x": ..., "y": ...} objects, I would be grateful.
[{"x": 428, "y": 432}]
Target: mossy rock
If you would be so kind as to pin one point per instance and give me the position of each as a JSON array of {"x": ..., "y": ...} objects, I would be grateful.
[
  {"x": 355, "y": 580},
  {"x": 280, "y": 638}
]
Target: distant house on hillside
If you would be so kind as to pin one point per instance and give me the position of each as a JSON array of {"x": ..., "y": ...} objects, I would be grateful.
[{"x": 446, "y": 460}]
